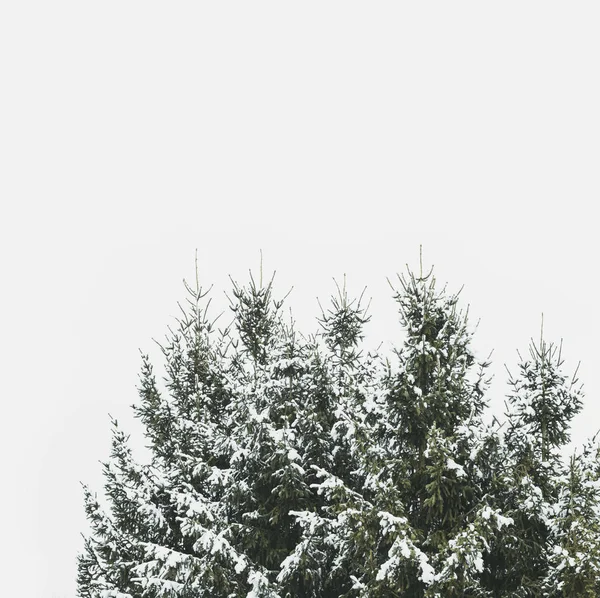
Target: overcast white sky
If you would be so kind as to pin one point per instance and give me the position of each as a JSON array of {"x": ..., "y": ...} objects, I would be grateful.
[{"x": 335, "y": 136}]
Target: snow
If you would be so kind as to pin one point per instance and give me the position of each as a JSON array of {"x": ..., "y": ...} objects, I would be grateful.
[
  {"x": 454, "y": 466},
  {"x": 357, "y": 584},
  {"x": 390, "y": 523},
  {"x": 427, "y": 575},
  {"x": 260, "y": 586},
  {"x": 404, "y": 548}
]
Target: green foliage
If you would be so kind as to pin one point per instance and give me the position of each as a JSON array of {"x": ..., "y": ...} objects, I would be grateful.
[{"x": 286, "y": 465}]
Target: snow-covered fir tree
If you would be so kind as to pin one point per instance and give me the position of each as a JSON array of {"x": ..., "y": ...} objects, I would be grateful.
[{"x": 288, "y": 465}]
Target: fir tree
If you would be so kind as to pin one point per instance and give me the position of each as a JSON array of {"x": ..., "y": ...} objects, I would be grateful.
[
  {"x": 541, "y": 406},
  {"x": 573, "y": 547}
]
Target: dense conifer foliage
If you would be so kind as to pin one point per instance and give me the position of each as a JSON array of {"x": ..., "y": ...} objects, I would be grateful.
[{"x": 290, "y": 465}]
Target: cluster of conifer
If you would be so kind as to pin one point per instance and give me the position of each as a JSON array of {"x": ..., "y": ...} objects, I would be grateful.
[{"x": 286, "y": 465}]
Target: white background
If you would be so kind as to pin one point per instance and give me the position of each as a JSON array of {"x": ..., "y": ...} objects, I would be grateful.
[{"x": 335, "y": 136}]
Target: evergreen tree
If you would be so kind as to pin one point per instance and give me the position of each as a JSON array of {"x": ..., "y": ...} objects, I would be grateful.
[
  {"x": 542, "y": 404},
  {"x": 285, "y": 465},
  {"x": 573, "y": 549}
]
